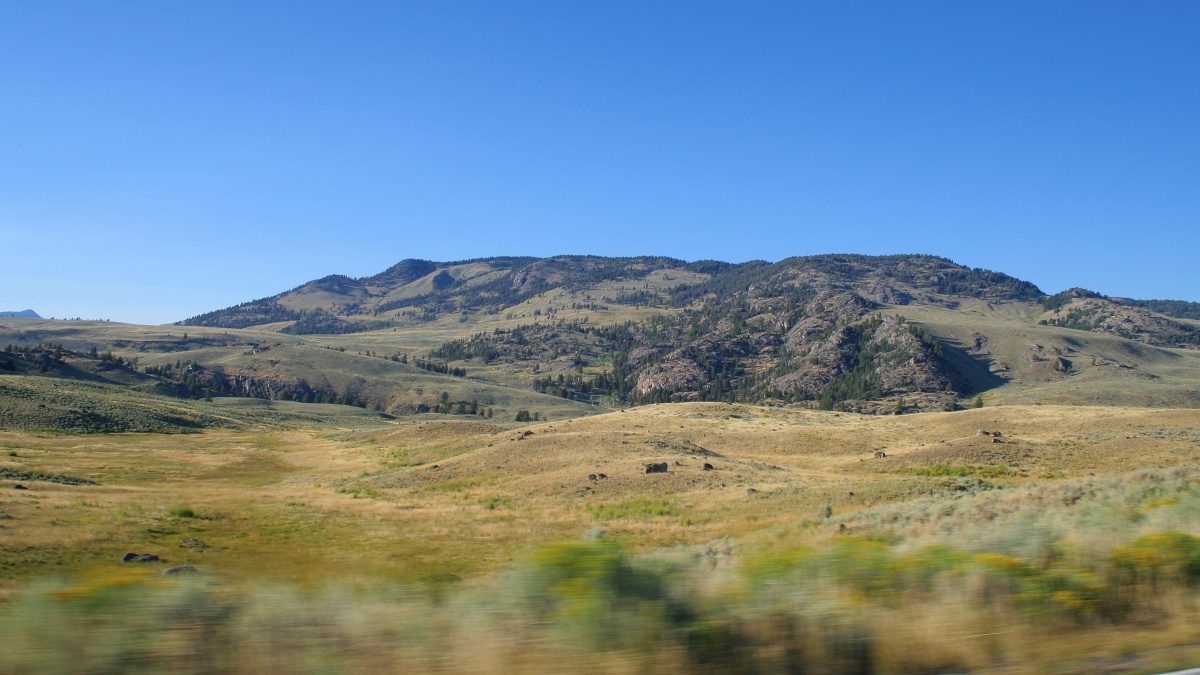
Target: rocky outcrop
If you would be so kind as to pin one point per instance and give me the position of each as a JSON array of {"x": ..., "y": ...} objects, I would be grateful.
[
  {"x": 677, "y": 372},
  {"x": 1101, "y": 315}
]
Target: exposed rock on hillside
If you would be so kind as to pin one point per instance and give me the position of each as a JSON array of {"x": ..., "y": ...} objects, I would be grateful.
[
  {"x": 1086, "y": 311},
  {"x": 677, "y": 373}
]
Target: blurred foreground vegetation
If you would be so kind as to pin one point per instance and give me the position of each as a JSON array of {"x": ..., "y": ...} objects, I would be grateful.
[{"x": 1072, "y": 576}]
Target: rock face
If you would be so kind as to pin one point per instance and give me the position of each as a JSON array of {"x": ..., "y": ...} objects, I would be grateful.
[
  {"x": 677, "y": 373},
  {"x": 1083, "y": 310},
  {"x": 830, "y": 345},
  {"x": 656, "y": 467},
  {"x": 875, "y": 355}
]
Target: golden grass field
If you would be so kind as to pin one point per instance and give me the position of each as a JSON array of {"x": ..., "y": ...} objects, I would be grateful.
[
  {"x": 294, "y": 504},
  {"x": 418, "y": 544}
]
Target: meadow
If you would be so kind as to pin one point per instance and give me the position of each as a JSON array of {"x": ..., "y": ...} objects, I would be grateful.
[{"x": 1060, "y": 540}]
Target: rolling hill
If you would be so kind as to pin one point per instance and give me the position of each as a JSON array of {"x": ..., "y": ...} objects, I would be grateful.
[
  {"x": 852, "y": 331},
  {"x": 572, "y": 335}
]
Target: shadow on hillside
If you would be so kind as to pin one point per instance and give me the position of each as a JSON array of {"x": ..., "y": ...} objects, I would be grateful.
[{"x": 975, "y": 369}]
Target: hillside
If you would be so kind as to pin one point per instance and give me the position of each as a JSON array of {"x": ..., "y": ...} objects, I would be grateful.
[
  {"x": 861, "y": 333},
  {"x": 827, "y": 329},
  {"x": 423, "y": 290}
]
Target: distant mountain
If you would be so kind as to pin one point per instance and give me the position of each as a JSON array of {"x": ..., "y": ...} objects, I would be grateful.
[
  {"x": 424, "y": 290},
  {"x": 825, "y": 328},
  {"x": 25, "y": 313}
]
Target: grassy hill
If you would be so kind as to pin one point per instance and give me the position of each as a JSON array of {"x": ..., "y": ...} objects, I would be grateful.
[{"x": 831, "y": 330}]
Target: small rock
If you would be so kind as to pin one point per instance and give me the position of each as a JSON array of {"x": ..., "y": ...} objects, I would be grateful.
[
  {"x": 192, "y": 543},
  {"x": 707, "y": 467},
  {"x": 880, "y": 455},
  {"x": 826, "y": 512},
  {"x": 601, "y": 476},
  {"x": 180, "y": 569},
  {"x": 595, "y": 534},
  {"x": 751, "y": 491},
  {"x": 18, "y": 486},
  {"x": 139, "y": 557},
  {"x": 592, "y": 476},
  {"x": 656, "y": 467},
  {"x": 431, "y": 468}
]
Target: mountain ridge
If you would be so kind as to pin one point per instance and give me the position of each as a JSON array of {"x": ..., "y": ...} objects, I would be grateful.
[{"x": 828, "y": 329}]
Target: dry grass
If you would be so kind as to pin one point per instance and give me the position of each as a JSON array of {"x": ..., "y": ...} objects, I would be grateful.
[
  {"x": 319, "y": 509},
  {"x": 292, "y": 503}
]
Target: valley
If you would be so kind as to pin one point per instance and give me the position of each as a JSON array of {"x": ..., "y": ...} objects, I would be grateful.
[{"x": 779, "y": 459}]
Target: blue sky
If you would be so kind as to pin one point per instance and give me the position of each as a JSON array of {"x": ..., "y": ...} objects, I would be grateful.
[{"x": 161, "y": 159}]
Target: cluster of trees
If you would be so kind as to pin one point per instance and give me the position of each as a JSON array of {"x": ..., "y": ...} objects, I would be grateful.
[
  {"x": 436, "y": 367},
  {"x": 476, "y": 347},
  {"x": 572, "y": 386},
  {"x": 253, "y": 313},
  {"x": 109, "y": 357},
  {"x": 526, "y": 416},
  {"x": 445, "y": 406},
  {"x": 931, "y": 341},
  {"x": 320, "y": 322},
  {"x": 1180, "y": 309},
  {"x": 636, "y": 298},
  {"x": 1053, "y": 302},
  {"x": 726, "y": 281}
]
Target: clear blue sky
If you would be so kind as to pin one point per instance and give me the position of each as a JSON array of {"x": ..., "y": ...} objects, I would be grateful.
[{"x": 160, "y": 159}]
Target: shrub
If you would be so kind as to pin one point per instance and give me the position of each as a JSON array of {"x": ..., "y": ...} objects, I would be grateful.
[{"x": 1153, "y": 557}]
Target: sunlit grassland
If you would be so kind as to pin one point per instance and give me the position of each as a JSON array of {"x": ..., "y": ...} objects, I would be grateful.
[
  {"x": 378, "y": 491},
  {"x": 431, "y": 523}
]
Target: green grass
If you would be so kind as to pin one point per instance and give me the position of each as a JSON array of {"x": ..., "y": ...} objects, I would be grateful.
[
  {"x": 181, "y": 512},
  {"x": 635, "y": 509},
  {"x": 491, "y": 503},
  {"x": 361, "y": 492},
  {"x": 964, "y": 471}
]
